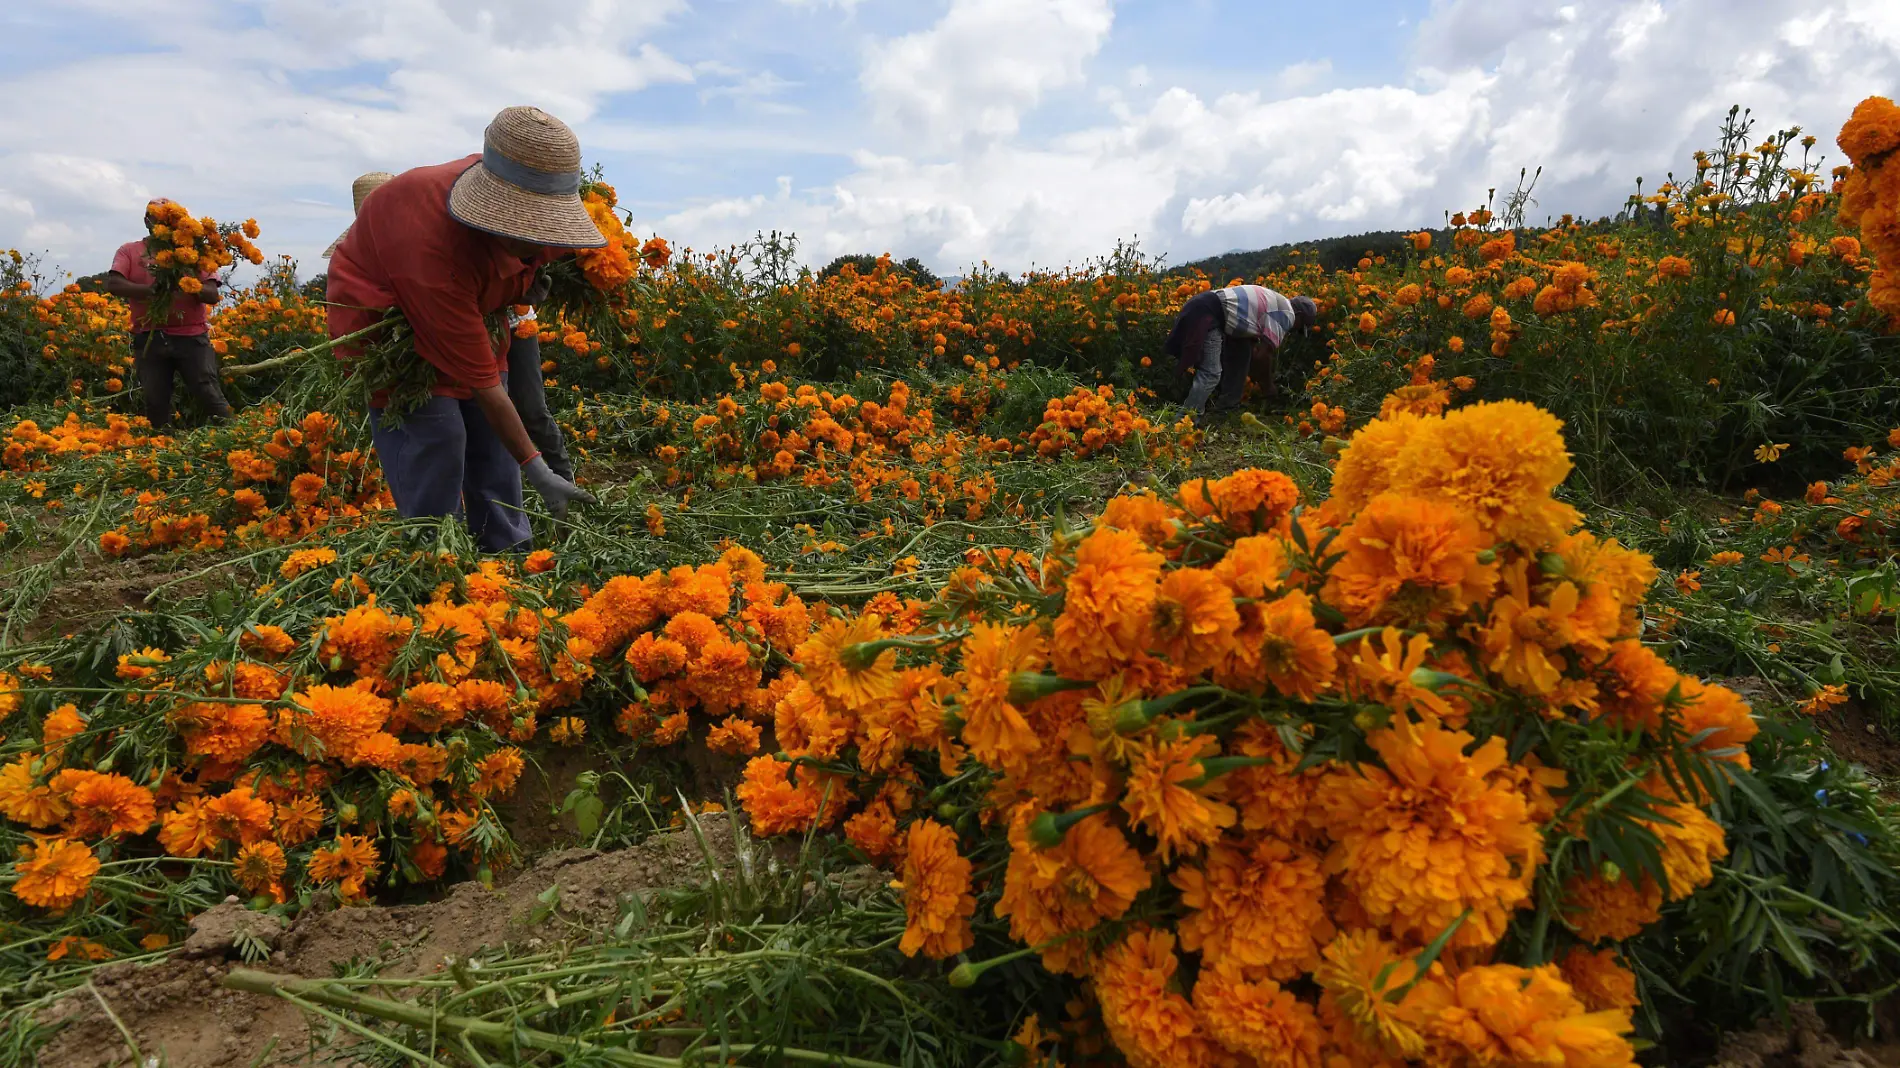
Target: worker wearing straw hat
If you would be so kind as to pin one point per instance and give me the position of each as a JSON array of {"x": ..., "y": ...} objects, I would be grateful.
[
  {"x": 526, "y": 388},
  {"x": 359, "y": 191},
  {"x": 445, "y": 245}
]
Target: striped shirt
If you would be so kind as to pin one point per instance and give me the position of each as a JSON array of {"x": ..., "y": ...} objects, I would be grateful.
[{"x": 1256, "y": 312}]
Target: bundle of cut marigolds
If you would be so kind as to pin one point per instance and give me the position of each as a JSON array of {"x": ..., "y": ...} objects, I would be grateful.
[{"x": 1381, "y": 779}]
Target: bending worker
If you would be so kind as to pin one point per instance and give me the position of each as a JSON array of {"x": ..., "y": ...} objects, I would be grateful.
[
  {"x": 1216, "y": 334},
  {"x": 447, "y": 244},
  {"x": 526, "y": 388}
]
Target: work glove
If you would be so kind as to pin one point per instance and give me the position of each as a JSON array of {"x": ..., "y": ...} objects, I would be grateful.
[
  {"x": 538, "y": 292},
  {"x": 555, "y": 490}
]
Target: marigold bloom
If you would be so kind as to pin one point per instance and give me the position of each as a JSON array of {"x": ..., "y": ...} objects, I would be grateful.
[
  {"x": 1431, "y": 834},
  {"x": 1152, "y": 1025},
  {"x": 1161, "y": 799},
  {"x": 1257, "y": 906},
  {"x": 995, "y": 729},
  {"x": 222, "y": 732},
  {"x": 1599, "y": 979},
  {"x": 1193, "y": 620},
  {"x": 1092, "y": 875},
  {"x": 1610, "y": 906},
  {"x": 1409, "y": 561},
  {"x": 1361, "y": 975},
  {"x": 52, "y": 873},
  {"x": 237, "y": 816},
  {"x": 735, "y": 736},
  {"x": 333, "y": 721},
  {"x": 1253, "y": 499},
  {"x": 1257, "y": 1019},
  {"x": 497, "y": 773},
  {"x": 833, "y": 668},
  {"x": 350, "y": 862},
  {"x": 773, "y": 803},
  {"x": 22, "y": 800},
  {"x": 1501, "y": 1013},
  {"x": 938, "y": 903},
  {"x": 104, "y": 804},
  {"x": 1108, "y": 597},
  {"x": 1527, "y": 635},
  {"x": 258, "y": 867},
  {"x": 297, "y": 820}
]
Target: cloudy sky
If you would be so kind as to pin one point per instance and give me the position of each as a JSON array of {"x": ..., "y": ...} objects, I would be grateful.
[{"x": 1021, "y": 132}]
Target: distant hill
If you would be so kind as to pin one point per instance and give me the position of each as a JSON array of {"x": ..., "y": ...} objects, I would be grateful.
[{"x": 1332, "y": 253}]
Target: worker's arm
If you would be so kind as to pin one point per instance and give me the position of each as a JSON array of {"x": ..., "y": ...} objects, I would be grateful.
[
  {"x": 211, "y": 292},
  {"x": 500, "y": 412},
  {"x": 124, "y": 288}
]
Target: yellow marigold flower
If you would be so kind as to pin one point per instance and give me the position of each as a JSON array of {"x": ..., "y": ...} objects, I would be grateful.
[
  {"x": 1498, "y": 1013},
  {"x": 836, "y": 671},
  {"x": 1194, "y": 620},
  {"x": 1107, "y": 601},
  {"x": 1361, "y": 975}
]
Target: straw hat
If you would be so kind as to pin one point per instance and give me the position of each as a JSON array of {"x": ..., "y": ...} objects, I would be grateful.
[
  {"x": 359, "y": 192},
  {"x": 527, "y": 185}
]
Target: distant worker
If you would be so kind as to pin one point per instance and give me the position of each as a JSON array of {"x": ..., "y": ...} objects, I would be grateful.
[
  {"x": 447, "y": 245},
  {"x": 1216, "y": 335},
  {"x": 526, "y": 388},
  {"x": 181, "y": 345}
]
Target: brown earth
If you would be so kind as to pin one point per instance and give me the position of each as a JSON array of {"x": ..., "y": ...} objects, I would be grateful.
[
  {"x": 177, "y": 1010},
  {"x": 1803, "y": 1043},
  {"x": 1859, "y": 736}
]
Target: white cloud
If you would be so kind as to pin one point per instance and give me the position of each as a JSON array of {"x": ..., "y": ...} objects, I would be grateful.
[
  {"x": 987, "y": 134},
  {"x": 1596, "y": 94},
  {"x": 982, "y": 66}
]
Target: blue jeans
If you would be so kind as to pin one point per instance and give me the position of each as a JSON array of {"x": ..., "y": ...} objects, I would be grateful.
[
  {"x": 1225, "y": 364},
  {"x": 446, "y": 460}
]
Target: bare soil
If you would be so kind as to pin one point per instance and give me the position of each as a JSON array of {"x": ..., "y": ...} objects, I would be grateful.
[
  {"x": 1859, "y": 736},
  {"x": 176, "y": 1010},
  {"x": 1804, "y": 1043}
]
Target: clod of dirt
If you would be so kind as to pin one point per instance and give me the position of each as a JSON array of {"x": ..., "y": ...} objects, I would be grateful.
[
  {"x": 1804, "y": 1043},
  {"x": 177, "y": 1010},
  {"x": 217, "y": 931}
]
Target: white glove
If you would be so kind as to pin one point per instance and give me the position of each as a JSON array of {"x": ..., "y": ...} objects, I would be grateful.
[{"x": 555, "y": 490}]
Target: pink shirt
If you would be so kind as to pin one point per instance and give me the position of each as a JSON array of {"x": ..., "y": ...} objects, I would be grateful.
[{"x": 188, "y": 312}]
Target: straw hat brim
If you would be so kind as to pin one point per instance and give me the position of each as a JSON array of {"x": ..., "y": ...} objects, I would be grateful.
[
  {"x": 485, "y": 202},
  {"x": 338, "y": 243}
]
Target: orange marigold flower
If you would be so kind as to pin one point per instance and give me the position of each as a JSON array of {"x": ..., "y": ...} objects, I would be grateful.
[
  {"x": 938, "y": 903},
  {"x": 1160, "y": 801},
  {"x": 350, "y": 862},
  {"x": 297, "y": 820},
  {"x": 104, "y": 804},
  {"x": 258, "y": 867},
  {"x": 497, "y": 773},
  {"x": 1107, "y": 600},
  {"x": 303, "y": 560},
  {"x": 336, "y": 722},
  {"x": 994, "y": 728},
  {"x": 1599, "y": 979},
  {"x": 1431, "y": 834},
  {"x": 266, "y": 642},
  {"x": 52, "y": 873},
  {"x": 1091, "y": 876},
  {"x": 237, "y": 816},
  {"x": 1610, "y": 906},
  {"x": 23, "y": 800},
  {"x": 1193, "y": 620},
  {"x": 773, "y": 803},
  {"x": 1253, "y": 499},
  {"x": 1361, "y": 976},
  {"x": 142, "y": 664},
  {"x": 1260, "y": 905},
  {"x": 1257, "y": 1019},
  {"x": 1501, "y": 1013},
  {"x": 1410, "y": 561},
  {"x": 539, "y": 562},
  {"x": 225, "y": 733},
  {"x": 1151, "y": 1023},
  {"x": 734, "y": 736}
]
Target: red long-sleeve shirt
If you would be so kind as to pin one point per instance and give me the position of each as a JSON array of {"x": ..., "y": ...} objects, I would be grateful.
[{"x": 406, "y": 251}]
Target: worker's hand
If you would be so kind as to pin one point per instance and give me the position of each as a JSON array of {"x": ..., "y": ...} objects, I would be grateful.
[
  {"x": 555, "y": 490},
  {"x": 538, "y": 292}
]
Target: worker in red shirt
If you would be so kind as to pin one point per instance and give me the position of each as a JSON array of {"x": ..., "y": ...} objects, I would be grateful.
[
  {"x": 447, "y": 244},
  {"x": 180, "y": 346}
]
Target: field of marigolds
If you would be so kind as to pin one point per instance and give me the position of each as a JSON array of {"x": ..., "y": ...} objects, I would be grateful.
[{"x": 1518, "y": 685}]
